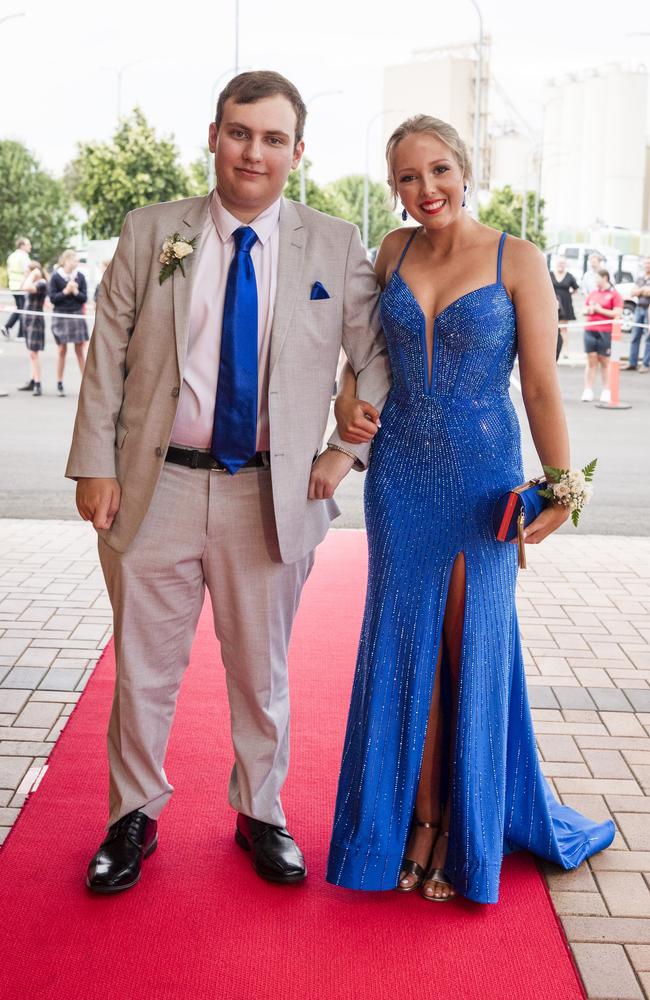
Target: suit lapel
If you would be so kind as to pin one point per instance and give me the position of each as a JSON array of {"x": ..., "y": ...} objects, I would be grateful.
[
  {"x": 290, "y": 263},
  {"x": 193, "y": 223}
]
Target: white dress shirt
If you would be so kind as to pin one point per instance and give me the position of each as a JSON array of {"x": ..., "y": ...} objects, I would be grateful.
[{"x": 195, "y": 414}]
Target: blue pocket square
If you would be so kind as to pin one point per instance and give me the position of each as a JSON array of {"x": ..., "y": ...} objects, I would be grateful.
[{"x": 319, "y": 291}]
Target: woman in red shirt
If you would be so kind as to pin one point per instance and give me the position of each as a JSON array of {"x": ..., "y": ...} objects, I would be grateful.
[{"x": 601, "y": 306}]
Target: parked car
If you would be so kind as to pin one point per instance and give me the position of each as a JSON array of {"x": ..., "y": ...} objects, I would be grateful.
[
  {"x": 624, "y": 288},
  {"x": 577, "y": 256}
]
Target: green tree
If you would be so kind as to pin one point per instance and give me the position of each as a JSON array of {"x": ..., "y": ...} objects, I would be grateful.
[
  {"x": 34, "y": 204},
  {"x": 315, "y": 196},
  {"x": 348, "y": 191},
  {"x": 198, "y": 174},
  {"x": 503, "y": 211},
  {"x": 136, "y": 168}
]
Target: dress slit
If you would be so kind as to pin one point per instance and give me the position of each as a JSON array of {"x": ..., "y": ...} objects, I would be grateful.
[{"x": 447, "y": 698}]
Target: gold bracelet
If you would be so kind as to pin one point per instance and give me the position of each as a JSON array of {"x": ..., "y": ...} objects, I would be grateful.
[{"x": 337, "y": 447}]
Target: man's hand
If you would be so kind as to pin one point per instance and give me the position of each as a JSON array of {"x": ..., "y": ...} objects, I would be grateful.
[
  {"x": 327, "y": 472},
  {"x": 98, "y": 500}
]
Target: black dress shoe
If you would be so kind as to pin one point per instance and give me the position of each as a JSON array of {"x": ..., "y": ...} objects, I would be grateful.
[
  {"x": 27, "y": 387},
  {"x": 276, "y": 856},
  {"x": 118, "y": 862}
]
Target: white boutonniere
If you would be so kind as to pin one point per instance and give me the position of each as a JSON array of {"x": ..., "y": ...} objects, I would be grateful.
[{"x": 174, "y": 249}]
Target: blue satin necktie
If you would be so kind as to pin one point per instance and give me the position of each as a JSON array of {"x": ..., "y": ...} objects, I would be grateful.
[{"x": 234, "y": 436}]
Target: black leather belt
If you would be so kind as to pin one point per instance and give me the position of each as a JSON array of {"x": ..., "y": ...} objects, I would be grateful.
[{"x": 193, "y": 459}]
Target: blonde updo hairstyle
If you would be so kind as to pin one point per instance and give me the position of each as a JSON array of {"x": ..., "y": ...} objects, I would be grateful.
[{"x": 426, "y": 124}]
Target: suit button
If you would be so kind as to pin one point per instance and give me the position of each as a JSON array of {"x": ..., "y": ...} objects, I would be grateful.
[
  {"x": 175, "y": 391},
  {"x": 159, "y": 452}
]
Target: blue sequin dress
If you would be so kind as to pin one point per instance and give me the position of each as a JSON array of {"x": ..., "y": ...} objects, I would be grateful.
[{"x": 448, "y": 447}]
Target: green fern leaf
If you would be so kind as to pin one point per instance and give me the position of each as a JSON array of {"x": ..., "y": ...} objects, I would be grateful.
[
  {"x": 552, "y": 473},
  {"x": 589, "y": 470}
]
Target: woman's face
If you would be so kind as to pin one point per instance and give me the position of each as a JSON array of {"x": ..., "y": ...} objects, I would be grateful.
[
  {"x": 560, "y": 265},
  {"x": 428, "y": 180},
  {"x": 71, "y": 264},
  {"x": 602, "y": 282}
]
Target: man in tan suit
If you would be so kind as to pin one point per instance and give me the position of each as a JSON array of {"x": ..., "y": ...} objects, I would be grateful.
[{"x": 190, "y": 284}]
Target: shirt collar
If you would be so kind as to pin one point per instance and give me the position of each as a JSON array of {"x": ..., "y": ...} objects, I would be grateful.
[{"x": 225, "y": 223}]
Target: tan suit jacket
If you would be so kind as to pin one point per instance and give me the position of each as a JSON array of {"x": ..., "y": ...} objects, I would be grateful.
[{"x": 131, "y": 384}]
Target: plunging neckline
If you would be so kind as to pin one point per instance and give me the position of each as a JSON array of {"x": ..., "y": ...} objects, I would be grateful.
[
  {"x": 472, "y": 291},
  {"x": 428, "y": 360}
]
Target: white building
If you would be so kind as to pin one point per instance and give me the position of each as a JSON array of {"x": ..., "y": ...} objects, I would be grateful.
[
  {"x": 441, "y": 84},
  {"x": 512, "y": 160},
  {"x": 594, "y": 168}
]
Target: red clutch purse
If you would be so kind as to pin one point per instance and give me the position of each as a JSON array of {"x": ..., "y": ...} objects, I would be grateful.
[{"x": 515, "y": 510}]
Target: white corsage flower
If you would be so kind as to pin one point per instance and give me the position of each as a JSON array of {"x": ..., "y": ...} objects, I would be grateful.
[
  {"x": 570, "y": 488},
  {"x": 174, "y": 249}
]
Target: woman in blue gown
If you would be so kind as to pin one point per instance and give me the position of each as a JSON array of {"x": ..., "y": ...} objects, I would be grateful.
[{"x": 440, "y": 776}]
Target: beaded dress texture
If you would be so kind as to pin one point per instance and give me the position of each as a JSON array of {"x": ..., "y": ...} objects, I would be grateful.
[{"x": 448, "y": 447}]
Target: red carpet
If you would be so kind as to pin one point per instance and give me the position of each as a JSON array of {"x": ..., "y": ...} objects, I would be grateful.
[{"x": 200, "y": 924}]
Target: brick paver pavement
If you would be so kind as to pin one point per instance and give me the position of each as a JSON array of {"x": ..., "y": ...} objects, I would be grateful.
[{"x": 584, "y": 607}]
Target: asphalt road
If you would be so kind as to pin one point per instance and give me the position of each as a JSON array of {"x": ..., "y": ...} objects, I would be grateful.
[{"x": 35, "y": 433}]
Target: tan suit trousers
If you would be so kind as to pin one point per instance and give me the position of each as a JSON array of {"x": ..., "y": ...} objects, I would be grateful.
[{"x": 202, "y": 529}]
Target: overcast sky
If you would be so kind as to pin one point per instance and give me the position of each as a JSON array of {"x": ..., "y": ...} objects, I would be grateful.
[{"x": 56, "y": 91}]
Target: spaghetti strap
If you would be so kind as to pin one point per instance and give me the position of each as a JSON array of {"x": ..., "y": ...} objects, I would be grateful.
[
  {"x": 406, "y": 246},
  {"x": 501, "y": 242}
]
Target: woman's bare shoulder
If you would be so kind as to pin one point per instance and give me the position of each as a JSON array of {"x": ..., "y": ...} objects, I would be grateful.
[
  {"x": 521, "y": 254},
  {"x": 390, "y": 249}
]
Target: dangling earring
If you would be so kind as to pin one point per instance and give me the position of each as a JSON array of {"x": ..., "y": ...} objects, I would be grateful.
[
  {"x": 464, "y": 198},
  {"x": 405, "y": 215}
]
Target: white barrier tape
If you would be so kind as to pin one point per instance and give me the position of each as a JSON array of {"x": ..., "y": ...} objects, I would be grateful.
[
  {"x": 49, "y": 312},
  {"x": 577, "y": 325}
]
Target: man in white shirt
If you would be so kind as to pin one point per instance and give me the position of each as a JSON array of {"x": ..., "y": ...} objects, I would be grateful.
[
  {"x": 17, "y": 271},
  {"x": 203, "y": 406},
  {"x": 589, "y": 280}
]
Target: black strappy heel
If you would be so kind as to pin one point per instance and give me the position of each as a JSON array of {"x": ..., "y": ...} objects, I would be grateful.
[
  {"x": 438, "y": 876},
  {"x": 410, "y": 867}
]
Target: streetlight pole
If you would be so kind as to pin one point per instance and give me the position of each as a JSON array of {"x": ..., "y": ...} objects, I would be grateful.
[
  {"x": 477, "y": 110},
  {"x": 524, "y": 200},
  {"x": 119, "y": 70},
  {"x": 303, "y": 179},
  {"x": 9, "y": 17},
  {"x": 236, "y": 37},
  {"x": 366, "y": 175}
]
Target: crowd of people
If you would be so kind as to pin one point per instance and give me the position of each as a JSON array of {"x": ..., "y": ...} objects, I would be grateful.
[
  {"x": 67, "y": 293},
  {"x": 602, "y": 305}
]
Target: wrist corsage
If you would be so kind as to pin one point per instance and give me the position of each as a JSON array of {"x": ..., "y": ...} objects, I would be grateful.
[
  {"x": 568, "y": 488},
  {"x": 174, "y": 249}
]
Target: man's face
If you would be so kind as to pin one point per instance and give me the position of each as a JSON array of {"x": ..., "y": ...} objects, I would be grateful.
[
  {"x": 254, "y": 151},
  {"x": 595, "y": 262}
]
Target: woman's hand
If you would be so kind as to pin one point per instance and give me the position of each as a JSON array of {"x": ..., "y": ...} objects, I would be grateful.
[
  {"x": 553, "y": 515},
  {"x": 357, "y": 421}
]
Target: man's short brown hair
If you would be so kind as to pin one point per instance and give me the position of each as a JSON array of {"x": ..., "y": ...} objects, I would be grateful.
[{"x": 247, "y": 88}]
